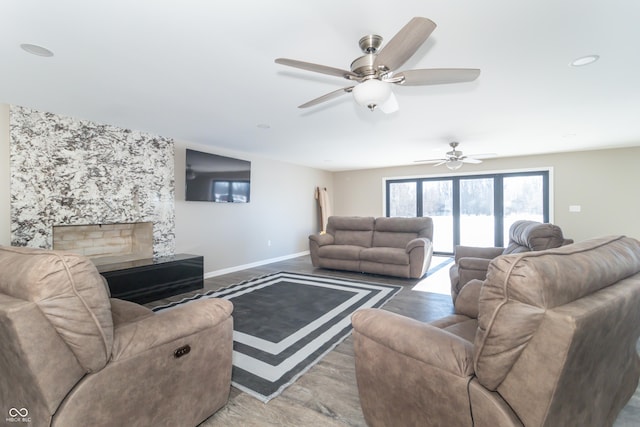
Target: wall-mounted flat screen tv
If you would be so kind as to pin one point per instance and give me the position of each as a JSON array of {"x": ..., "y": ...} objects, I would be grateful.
[{"x": 214, "y": 178}]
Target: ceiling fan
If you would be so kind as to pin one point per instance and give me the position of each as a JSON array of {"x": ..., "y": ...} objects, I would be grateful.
[
  {"x": 375, "y": 71},
  {"x": 454, "y": 159}
]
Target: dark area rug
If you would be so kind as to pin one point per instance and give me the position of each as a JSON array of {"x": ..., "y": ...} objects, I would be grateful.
[{"x": 286, "y": 322}]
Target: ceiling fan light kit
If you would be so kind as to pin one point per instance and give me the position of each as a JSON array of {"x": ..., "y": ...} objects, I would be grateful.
[
  {"x": 372, "y": 93},
  {"x": 454, "y": 164},
  {"x": 374, "y": 72}
]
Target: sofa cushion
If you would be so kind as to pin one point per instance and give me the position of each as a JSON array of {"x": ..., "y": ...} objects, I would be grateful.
[
  {"x": 389, "y": 239},
  {"x": 423, "y": 226},
  {"x": 354, "y": 238},
  {"x": 345, "y": 252},
  {"x": 465, "y": 329},
  {"x": 124, "y": 312},
  {"x": 359, "y": 223},
  {"x": 385, "y": 256},
  {"x": 351, "y": 230},
  {"x": 398, "y": 232},
  {"x": 521, "y": 288},
  {"x": 70, "y": 293}
]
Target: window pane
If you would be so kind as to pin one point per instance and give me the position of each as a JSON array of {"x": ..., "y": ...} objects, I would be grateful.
[
  {"x": 220, "y": 191},
  {"x": 240, "y": 192},
  {"x": 437, "y": 203},
  {"x": 523, "y": 199},
  {"x": 403, "y": 199},
  {"x": 476, "y": 212}
]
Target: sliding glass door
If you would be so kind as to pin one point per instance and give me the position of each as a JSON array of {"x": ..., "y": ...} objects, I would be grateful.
[
  {"x": 523, "y": 199},
  {"x": 477, "y": 224},
  {"x": 471, "y": 210},
  {"x": 437, "y": 202},
  {"x": 403, "y": 197}
]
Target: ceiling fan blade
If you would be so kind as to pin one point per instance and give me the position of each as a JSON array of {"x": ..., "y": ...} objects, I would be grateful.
[
  {"x": 483, "y": 156},
  {"x": 316, "y": 68},
  {"x": 470, "y": 160},
  {"x": 429, "y": 161},
  {"x": 437, "y": 76},
  {"x": 326, "y": 97},
  {"x": 440, "y": 163},
  {"x": 391, "y": 105},
  {"x": 405, "y": 43}
]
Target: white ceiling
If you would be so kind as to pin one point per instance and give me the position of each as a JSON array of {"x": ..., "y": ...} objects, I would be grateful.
[{"x": 204, "y": 71}]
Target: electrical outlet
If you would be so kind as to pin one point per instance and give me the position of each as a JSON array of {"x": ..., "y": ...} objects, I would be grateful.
[
  {"x": 268, "y": 242},
  {"x": 575, "y": 208}
]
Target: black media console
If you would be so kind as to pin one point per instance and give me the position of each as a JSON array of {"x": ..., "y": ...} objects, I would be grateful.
[{"x": 150, "y": 279}]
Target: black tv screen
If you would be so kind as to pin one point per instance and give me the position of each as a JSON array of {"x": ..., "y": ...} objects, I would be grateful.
[{"x": 214, "y": 178}]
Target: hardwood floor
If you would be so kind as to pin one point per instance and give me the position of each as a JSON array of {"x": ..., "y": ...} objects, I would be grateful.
[{"x": 327, "y": 394}]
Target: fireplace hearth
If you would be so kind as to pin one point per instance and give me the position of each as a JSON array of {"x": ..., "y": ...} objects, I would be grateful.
[{"x": 106, "y": 243}]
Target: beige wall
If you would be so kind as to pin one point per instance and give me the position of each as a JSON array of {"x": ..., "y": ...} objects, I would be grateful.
[
  {"x": 274, "y": 225},
  {"x": 603, "y": 183},
  {"x": 5, "y": 224}
]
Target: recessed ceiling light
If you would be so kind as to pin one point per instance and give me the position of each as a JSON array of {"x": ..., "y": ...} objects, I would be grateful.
[
  {"x": 34, "y": 49},
  {"x": 584, "y": 60}
]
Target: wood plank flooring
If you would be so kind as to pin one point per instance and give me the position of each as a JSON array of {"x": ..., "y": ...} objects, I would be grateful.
[{"x": 327, "y": 394}]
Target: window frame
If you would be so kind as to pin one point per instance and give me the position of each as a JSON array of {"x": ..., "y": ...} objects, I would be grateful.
[{"x": 498, "y": 196}]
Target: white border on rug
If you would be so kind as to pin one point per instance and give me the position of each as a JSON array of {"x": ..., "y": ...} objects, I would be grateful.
[{"x": 244, "y": 362}]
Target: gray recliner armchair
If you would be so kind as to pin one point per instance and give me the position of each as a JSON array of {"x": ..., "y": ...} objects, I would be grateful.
[
  {"x": 524, "y": 236},
  {"x": 548, "y": 339},
  {"x": 71, "y": 356}
]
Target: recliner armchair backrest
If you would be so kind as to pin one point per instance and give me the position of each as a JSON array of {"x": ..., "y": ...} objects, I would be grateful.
[
  {"x": 557, "y": 331},
  {"x": 71, "y": 295},
  {"x": 525, "y": 236}
]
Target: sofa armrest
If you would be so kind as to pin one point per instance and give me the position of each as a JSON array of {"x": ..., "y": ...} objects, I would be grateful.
[
  {"x": 420, "y": 251},
  {"x": 419, "y": 242},
  {"x": 420, "y": 341},
  {"x": 469, "y": 269},
  {"x": 167, "y": 326},
  {"x": 476, "y": 252},
  {"x": 322, "y": 239},
  {"x": 470, "y": 263},
  {"x": 467, "y": 301}
]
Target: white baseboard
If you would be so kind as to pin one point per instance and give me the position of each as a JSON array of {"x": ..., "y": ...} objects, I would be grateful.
[{"x": 253, "y": 264}]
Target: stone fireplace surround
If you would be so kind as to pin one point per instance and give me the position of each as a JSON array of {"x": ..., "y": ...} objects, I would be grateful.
[{"x": 71, "y": 172}]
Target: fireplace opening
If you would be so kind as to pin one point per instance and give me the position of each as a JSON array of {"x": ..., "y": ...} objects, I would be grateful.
[{"x": 106, "y": 243}]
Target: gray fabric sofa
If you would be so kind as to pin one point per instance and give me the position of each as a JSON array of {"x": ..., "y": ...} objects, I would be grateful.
[
  {"x": 72, "y": 356},
  {"x": 548, "y": 339},
  {"x": 389, "y": 246}
]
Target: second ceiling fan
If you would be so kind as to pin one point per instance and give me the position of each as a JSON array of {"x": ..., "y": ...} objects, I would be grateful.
[
  {"x": 454, "y": 159},
  {"x": 374, "y": 73}
]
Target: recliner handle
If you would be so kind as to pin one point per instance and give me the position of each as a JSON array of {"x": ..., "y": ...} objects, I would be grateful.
[{"x": 181, "y": 351}]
